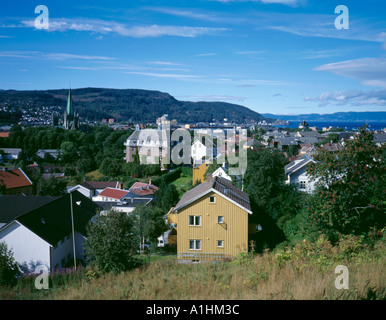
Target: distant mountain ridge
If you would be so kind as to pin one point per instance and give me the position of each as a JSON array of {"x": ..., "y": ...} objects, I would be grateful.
[
  {"x": 370, "y": 116},
  {"x": 131, "y": 104}
]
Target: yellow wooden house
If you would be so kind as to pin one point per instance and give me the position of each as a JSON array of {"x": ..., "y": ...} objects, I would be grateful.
[
  {"x": 199, "y": 172},
  {"x": 211, "y": 221}
]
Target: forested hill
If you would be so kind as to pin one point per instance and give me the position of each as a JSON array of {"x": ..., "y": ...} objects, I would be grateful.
[{"x": 130, "y": 104}]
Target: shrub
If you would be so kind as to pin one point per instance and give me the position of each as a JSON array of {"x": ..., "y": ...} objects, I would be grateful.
[
  {"x": 8, "y": 267},
  {"x": 110, "y": 244}
]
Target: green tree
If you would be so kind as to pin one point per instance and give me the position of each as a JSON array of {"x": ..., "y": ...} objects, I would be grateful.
[
  {"x": 264, "y": 177},
  {"x": 68, "y": 150},
  {"x": 111, "y": 244},
  {"x": 149, "y": 223},
  {"x": 51, "y": 187},
  {"x": 112, "y": 167},
  {"x": 351, "y": 194},
  {"x": 170, "y": 198},
  {"x": 8, "y": 267}
]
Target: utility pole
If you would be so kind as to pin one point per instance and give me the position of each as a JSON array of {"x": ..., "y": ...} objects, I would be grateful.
[{"x": 73, "y": 230}]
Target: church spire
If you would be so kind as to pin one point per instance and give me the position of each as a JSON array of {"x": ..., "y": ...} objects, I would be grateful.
[{"x": 70, "y": 109}]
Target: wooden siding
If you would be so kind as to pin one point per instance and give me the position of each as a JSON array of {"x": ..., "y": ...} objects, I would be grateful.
[
  {"x": 172, "y": 218},
  {"x": 233, "y": 232},
  {"x": 199, "y": 173}
]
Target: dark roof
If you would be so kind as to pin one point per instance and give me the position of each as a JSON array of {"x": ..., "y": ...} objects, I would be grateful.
[
  {"x": 219, "y": 184},
  {"x": 90, "y": 185},
  {"x": 297, "y": 164},
  {"x": 332, "y": 147},
  {"x": 15, "y": 206},
  {"x": 52, "y": 221}
]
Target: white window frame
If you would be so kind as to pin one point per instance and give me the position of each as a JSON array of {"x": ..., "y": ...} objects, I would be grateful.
[
  {"x": 195, "y": 242},
  {"x": 302, "y": 185},
  {"x": 222, "y": 244},
  {"x": 218, "y": 219},
  {"x": 195, "y": 218},
  {"x": 214, "y": 199}
]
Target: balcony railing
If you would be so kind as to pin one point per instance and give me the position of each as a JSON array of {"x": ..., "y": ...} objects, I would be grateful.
[{"x": 203, "y": 256}]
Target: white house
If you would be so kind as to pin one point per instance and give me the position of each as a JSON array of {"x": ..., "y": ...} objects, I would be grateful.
[
  {"x": 151, "y": 145},
  {"x": 201, "y": 151},
  {"x": 42, "y": 153},
  {"x": 111, "y": 195},
  {"x": 11, "y": 153},
  {"x": 220, "y": 172},
  {"x": 296, "y": 173},
  {"x": 126, "y": 205},
  {"x": 42, "y": 235},
  {"x": 93, "y": 188}
]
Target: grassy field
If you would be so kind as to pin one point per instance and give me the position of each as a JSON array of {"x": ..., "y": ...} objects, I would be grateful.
[
  {"x": 305, "y": 272},
  {"x": 94, "y": 175},
  {"x": 183, "y": 184}
]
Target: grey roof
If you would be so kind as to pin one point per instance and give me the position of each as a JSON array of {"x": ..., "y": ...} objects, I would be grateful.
[
  {"x": 309, "y": 133},
  {"x": 11, "y": 151},
  {"x": 139, "y": 137},
  {"x": 219, "y": 184},
  {"x": 13, "y": 206},
  {"x": 287, "y": 141},
  {"x": 297, "y": 164},
  {"x": 380, "y": 138}
]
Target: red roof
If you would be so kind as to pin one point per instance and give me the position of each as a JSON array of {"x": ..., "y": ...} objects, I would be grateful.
[
  {"x": 143, "y": 189},
  {"x": 113, "y": 193},
  {"x": 4, "y": 134},
  {"x": 14, "y": 179}
]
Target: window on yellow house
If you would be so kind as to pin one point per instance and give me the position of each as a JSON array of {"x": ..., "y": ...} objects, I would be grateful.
[
  {"x": 194, "y": 244},
  {"x": 194, "y": 220}
]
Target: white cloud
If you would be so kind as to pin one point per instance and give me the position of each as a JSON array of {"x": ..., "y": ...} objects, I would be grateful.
[
  {"x": 205, "y": 54},
  {"x": 352, "y": 98},
  {"x": 292, "y": 3},
  {"x": 166, "y": 75},
  {"x": 369, "y": 71},
  {"x": 164, "y": 63},
  {"x": 78, "y": 68},
  {"x": 50, "y": 56},
  {"x": 112, "y": 27}
]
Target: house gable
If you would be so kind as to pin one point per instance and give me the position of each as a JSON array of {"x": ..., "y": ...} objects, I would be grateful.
[
  {"x": 233, "y": 231},
  {"x": 28, "y": 248}
]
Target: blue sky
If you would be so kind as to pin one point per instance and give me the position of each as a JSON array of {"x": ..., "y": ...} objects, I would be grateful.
[{"x": 273, "y": 56}]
